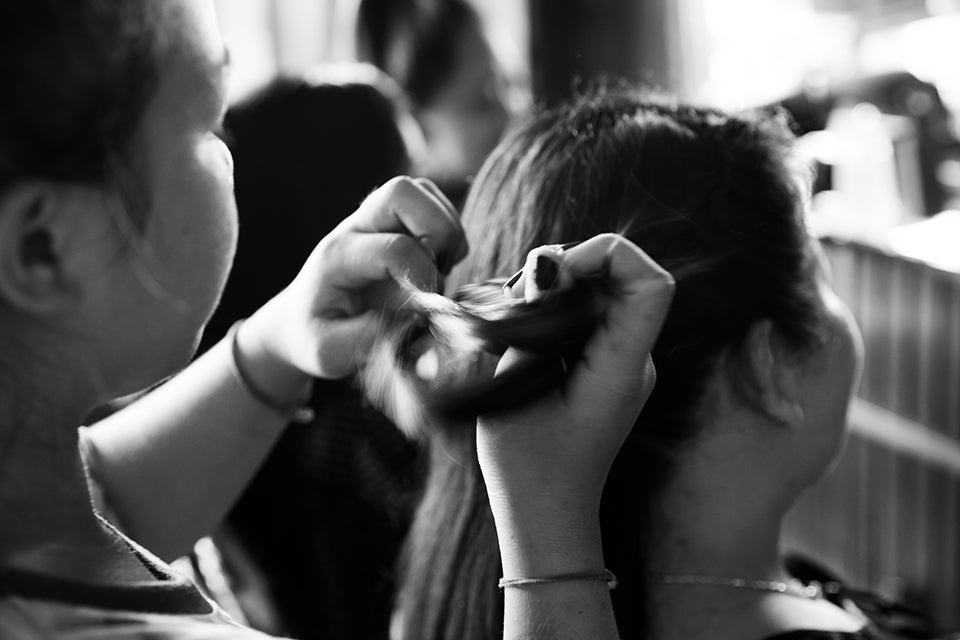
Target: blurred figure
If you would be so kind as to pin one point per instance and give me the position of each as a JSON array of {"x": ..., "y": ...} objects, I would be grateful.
[
  {"x": 317, "y": 531},
  {"x": 897, "y": 93},
  {"x": 437, "y": 52}
]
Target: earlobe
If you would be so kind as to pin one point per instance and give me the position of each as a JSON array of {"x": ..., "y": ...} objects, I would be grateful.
[
  {"x": 775, "y": 375},
  {"x": 31, "y": 267}
]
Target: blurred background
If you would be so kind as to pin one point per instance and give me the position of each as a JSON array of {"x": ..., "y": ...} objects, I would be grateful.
[{"x": 873, "y": 87}]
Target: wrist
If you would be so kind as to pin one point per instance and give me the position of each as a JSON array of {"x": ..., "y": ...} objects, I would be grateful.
[
  {"x": 548, "y": 542},
  {"x": 268, "y": 376}
]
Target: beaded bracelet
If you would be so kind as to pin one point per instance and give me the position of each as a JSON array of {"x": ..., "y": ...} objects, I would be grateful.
[
  {"x": 299, "y": 413},
  {"x": 606, "y": 575}
]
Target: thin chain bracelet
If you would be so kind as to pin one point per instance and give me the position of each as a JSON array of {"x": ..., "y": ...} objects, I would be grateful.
[
  {"x": 299, "y": 413},
  {"x": 606, "y": 575}
]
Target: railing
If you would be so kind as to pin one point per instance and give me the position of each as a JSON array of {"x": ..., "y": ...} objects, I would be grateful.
[{"x": 888, "y": 517}]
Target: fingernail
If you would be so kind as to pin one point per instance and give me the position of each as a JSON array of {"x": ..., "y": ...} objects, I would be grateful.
[
  {"x": 512, "y": 281},
  {"x": 546, "y": 273}
]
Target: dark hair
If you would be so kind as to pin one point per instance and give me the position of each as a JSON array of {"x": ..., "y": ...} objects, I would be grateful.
[
  {"x": 81, "y": 73},
  {"x": 707, "y": 195},
  {"x": 414, "y": 41}
]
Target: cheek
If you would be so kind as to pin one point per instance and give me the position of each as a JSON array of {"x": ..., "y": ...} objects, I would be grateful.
[
  {"x": 198, "y": 238},
  {"x": 847, "y": 344},
  {"x": 217, "y": 207},
  {"x": 842, "y": 380},
  {"x": 835, "y": 371},
  {"x": 857, "y": 350}
]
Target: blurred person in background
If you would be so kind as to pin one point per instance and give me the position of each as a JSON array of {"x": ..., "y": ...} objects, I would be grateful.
[
  {"x": 312, "y": 542},
  {"x": 896, "y": 93},
  {"x": 438, "y": 53}
]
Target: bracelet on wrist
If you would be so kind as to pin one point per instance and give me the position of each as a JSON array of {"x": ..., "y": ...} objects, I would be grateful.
[
  {"x": 606, "y": 575},
  {"x": 299, "y": 412}
]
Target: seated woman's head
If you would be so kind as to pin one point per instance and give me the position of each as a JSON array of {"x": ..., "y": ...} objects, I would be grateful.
[{"x": 755, "y": 362}]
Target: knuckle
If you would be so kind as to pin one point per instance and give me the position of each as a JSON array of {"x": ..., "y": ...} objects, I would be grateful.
[
  {"x": 399, "y": 186},
  {"x": 665, "y": 282},
  {"x": 329, "y": 247},
  {"x": 658, "y": 280}
]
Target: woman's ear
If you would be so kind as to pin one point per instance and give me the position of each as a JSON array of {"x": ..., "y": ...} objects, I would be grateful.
[
  {"x": 36, "y": 231},
  {"x": 774, "y": 375}
]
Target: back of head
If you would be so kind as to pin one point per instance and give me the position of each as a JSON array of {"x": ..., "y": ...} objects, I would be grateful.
[
  {"x": 707, "y": 195},
  {"x": 79, "y": 74}
]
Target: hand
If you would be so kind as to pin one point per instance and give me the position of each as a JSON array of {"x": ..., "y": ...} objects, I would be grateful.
[
  {"x": 545, "y": 465},
  {"x": 324, "y": 321}
]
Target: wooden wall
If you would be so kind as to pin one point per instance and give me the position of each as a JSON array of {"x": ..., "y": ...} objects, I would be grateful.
[{"x": 888, "y": 516}]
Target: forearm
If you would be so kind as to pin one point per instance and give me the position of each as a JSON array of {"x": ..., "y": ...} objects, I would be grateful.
[{"x": 174, "y": 462}]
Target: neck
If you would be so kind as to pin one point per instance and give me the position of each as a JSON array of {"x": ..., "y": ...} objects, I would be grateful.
[
  {"x": 49, "y": 524},
  {"x": 710, "y": 528},
  {"x": 720, "y": 516}
]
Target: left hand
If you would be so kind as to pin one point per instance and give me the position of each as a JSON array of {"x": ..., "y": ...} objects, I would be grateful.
[{"x": 545, "y": 465}]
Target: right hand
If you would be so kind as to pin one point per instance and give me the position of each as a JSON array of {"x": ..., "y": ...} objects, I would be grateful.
[
  {"x": 545, "y": 465},
  {"x": 324, "y": 322}
]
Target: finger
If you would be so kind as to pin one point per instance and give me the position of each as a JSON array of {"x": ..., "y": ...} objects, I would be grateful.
[
  {"x": 628, "y": 269},
  {"x": 441, "y": 197},
  {"x": 642, "y": 288},
  {"x": 517, "y": 285},
  {"x": 403, "y": 206},
  {"x": 360, "y": 259},
  {"x": 544, "y": 266},
  {"x": 642, "y": 294},
  {"x": 446, "y": 261}
]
